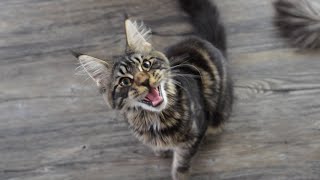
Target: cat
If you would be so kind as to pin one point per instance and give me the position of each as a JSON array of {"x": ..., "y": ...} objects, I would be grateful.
[
  {"x": 170, "y": 98},
  {"x": 299, "y": 21}
]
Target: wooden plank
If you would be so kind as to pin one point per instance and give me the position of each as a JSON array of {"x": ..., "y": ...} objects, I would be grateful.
[{"x": 54, "y": 124}]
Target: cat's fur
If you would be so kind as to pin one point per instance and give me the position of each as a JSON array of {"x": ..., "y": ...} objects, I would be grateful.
[
  {"x": 299, "y": 21},
  {"x": 170, "y": 99}
]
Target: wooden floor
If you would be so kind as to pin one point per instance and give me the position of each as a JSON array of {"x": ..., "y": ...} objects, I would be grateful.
[{"x": 54, "y": 124}]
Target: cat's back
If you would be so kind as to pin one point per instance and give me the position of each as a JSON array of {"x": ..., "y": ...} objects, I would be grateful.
[{"x": 200, "y": 61}]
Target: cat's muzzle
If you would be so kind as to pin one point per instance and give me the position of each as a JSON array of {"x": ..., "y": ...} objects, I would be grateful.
[{"x": 154, "y": 98}]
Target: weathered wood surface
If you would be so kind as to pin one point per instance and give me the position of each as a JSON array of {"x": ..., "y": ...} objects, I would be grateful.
[{"x": 54, "y": 125}]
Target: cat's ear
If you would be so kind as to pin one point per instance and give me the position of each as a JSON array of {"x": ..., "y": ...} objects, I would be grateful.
[
  {"x": 97, "y": 69},
  {"x": 137, "y": 36}
]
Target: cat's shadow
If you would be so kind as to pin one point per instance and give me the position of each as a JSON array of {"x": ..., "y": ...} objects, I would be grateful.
[{"x": 206, "y": 157}]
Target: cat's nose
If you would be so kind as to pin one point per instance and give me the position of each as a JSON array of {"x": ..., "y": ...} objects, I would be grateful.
[
  {"x": 142, "y": 79},
  {"x": 146, "y": 83}
]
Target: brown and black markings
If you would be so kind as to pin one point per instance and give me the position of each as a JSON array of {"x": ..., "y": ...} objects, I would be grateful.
[{"x": 170, "y": 99}]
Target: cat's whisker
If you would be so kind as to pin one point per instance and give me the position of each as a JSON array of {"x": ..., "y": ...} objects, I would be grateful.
[
  {"x": 185, "y": 78},
  {"x": 185, "y": 65},
  {"x": 175, "y": 73},
  {"x": 178, "y": 84},
  {"x": 183, "y": 74},
  {"x": 181, "y": 58}
]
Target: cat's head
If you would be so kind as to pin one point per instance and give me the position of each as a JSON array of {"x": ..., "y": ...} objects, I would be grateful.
[{"x": 137, "y": 79}]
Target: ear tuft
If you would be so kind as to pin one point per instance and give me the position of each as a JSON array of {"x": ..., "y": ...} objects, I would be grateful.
[
  {"x": 97, "y": 69},
  {"x": 76, "y": 54},
  {"x": 137, "y": 36},
  {"x": 126, "y": 16}
]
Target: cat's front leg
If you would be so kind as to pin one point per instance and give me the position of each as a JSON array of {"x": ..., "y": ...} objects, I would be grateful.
[{"x": 181, "y": 160}]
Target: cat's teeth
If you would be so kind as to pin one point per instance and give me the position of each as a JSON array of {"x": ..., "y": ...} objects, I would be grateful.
[{"x": 154, "y": 97}]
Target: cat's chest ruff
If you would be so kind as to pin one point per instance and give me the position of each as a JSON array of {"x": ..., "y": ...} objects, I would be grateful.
[{"x": 155, "y": 129}]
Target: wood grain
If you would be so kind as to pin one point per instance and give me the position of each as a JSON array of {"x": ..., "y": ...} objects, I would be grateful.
[{"x": 54, "y": 125}]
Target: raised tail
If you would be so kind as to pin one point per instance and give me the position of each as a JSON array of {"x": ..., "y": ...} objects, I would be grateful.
[
  {"x": 299, "y": 21},
  {"x": 204, "y": 16}
]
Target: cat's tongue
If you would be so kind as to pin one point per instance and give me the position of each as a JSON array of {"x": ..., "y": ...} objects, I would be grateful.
[{"x": 154, "y": 97}]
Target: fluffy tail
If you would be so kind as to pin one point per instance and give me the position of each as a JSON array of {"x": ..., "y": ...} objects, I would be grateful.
[
  {"x": 205, "y": 18},
  {"x": 299, "y": 21}
]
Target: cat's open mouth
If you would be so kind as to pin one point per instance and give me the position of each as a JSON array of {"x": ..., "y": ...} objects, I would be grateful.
[{"x": 153, "y": 98}]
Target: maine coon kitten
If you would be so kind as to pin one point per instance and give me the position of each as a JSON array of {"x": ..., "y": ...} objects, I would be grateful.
[
  {"x": 170, "y": 99},
  {"x": 299, "y": 21}
]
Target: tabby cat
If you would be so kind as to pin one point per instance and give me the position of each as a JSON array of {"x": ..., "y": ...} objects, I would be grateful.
[{"x": 170, "y": 99}]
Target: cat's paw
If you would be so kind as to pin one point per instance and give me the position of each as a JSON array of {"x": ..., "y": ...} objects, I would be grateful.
[{"x": 180, "y": 173}]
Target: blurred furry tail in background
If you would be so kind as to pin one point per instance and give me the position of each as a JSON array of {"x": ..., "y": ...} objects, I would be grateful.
[{"x": 299, "y": 21}]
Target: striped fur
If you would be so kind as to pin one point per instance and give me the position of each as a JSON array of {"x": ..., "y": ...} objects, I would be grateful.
[
  {"x": 299, "y": 21},
  {"x": 191, "y": 76}
]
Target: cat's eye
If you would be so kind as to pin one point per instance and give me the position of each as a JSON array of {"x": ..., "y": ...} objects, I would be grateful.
[
  {"x": 125, "y": 81},
  {"x": 146, "y": 64}
]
